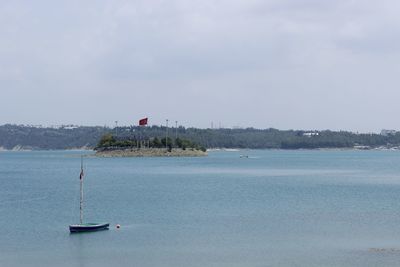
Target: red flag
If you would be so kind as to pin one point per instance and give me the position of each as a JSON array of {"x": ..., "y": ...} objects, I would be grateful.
[
  {"x": 143, "y": 122},
  {"x": 81, "y": 175}
]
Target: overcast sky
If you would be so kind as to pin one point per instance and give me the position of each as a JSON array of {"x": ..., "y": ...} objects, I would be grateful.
[{"x": 287, "y": 64}]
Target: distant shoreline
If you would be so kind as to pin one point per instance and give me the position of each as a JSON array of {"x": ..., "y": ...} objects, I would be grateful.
[
  {"x": 189, "y": 152},
  {"x": 22, "y": 137},
  {"x": 27, "y": 149}
]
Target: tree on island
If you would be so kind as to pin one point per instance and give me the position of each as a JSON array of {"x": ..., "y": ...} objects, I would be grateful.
[{"x": 108, "y": 142}]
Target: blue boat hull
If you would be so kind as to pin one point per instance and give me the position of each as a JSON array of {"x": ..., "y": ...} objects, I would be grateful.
[{"x": 88, "y": 227}]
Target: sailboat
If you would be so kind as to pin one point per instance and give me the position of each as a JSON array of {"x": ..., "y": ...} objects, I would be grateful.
[{"x": 85, "y": 227}]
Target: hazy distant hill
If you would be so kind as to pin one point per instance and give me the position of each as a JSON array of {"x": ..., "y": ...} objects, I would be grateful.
[
  {"x": 16, "y": 136},
  {"x": 12, "y": 136}
]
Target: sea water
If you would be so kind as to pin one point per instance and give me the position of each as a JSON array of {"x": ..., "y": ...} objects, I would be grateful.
[{"x": 274, "y": 208}]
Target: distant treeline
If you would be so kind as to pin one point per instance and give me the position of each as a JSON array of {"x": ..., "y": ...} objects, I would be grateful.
[{"x": 12, "y": 136}]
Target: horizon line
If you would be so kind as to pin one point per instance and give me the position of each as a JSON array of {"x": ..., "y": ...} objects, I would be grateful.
[{"x": 59, "y": 126}]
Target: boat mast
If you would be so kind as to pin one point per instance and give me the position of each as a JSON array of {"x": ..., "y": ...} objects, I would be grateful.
[{"x": 81, "y": 189}]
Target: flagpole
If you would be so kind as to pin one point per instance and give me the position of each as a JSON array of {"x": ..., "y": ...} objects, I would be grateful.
[
  {"x": 176, "y": 129},
  {"x": 166, "y": 135},
  {"x": 142, "y": 131}
]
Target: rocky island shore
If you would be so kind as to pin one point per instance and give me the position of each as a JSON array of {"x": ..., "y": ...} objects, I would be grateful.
[{"x": 150, "y": 152}]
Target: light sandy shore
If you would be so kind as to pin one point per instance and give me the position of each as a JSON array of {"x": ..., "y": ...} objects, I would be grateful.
[{"x": 151, "y": 152}]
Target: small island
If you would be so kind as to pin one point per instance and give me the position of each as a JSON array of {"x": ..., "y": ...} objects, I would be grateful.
[{"x": 110, "y": 146}]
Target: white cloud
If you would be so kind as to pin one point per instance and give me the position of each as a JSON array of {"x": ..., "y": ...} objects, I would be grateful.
[{"x": 286, "y": 63}]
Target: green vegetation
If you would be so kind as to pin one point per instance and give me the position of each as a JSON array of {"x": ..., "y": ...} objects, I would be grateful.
[
  {"x": 109, "y": 142},
  {"x": 12, "y": 136}
]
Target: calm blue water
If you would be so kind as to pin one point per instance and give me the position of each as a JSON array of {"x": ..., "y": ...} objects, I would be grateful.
[{"x": 276, "y": 208}]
